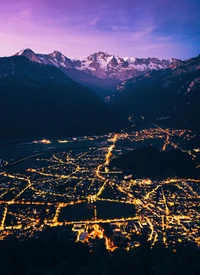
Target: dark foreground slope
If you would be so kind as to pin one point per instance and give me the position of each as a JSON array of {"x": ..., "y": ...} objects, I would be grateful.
[
  {"x": 56, "y": 255},
  {"x": 39, "y": 100}
]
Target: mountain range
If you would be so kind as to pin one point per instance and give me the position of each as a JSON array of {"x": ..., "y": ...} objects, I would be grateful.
[
  {"x": 49, "y": 95},
  {"x": 100, "y": 71},
  {"x": 102, "y": 64},
  {"x": 40, "y": 100},
  {"x": 173, "y": 93}
]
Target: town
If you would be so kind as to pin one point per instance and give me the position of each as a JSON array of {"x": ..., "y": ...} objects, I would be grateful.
[{"x": 69, "y": 183}]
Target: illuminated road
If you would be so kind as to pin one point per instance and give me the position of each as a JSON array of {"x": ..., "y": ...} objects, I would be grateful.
[
  {"x": 23, "y": 159},
  {"x": 166, "y": 207}
]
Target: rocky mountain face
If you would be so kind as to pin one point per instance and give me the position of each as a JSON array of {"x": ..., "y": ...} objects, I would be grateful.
[
  {"x": 172, "y": 92},
  {"x": 39, "y": 101},
  {"x": 103, "y": 65},
  {"x": 72, "y": 68},
  {"x": 56, "y": 58}
]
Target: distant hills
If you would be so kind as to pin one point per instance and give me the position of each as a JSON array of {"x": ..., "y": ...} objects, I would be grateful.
[{"x": 40, "y": 100}]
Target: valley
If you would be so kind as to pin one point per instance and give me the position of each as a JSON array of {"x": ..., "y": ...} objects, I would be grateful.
[{"x": 71, "y": 182}]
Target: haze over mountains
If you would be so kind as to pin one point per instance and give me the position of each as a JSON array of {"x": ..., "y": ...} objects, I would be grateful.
[{"x": 52, "y": 95}]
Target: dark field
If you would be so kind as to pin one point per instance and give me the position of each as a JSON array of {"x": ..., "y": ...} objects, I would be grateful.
[{"x": 105, "y": 210}]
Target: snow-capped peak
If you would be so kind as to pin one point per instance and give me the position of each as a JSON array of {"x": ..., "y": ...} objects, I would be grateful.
[
  {"x": 56, "y": 53},
  {"x": 28, "y": 53},
  {"x": 129, "y": 59},
  {"x": 22, "y": 52},
  {"x": 102, "y": 64},
  {"x": 99, "y": 56}
]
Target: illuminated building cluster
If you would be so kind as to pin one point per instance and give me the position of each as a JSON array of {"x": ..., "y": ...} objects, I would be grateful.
[{"x": 75, "y": 187}]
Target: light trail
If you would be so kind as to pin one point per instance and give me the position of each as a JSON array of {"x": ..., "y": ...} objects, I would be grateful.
[
  {"x": 32, "y": 156},
  {"x": 166, "y": 143},
  {"x": 20, "y": 193},
  {"x": 191, "y": 189},
  {"x": 151, "y": 227},
  {"x": 165, "y": 202},
  {"x": 55, "y": 219},
  {"x": 163, "y": 130},
  {"x": 59, "y": 160},
  {"x": 151, "y": 192},
  {"x": 18, "y": 215},
  {"x": 98, "y": 173},
  {"x": 4, "y": 217},
  {"x": 46, "y": 192},
  {"x": 110, "y": 149}
]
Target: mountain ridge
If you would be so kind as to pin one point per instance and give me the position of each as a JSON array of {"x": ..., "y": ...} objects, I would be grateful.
[
  {"x": 38, "y": 100},
  {"x": 173, "y": 92},
  {"x": 101, "y": 64},
  {"x": 102, "y": 87}
]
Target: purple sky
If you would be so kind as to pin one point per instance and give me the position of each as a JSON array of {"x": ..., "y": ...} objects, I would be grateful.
[{"x": 77, "y": 28}]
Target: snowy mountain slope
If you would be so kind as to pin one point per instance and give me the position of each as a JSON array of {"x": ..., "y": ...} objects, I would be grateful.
[{"x": 103, "y": 65}]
